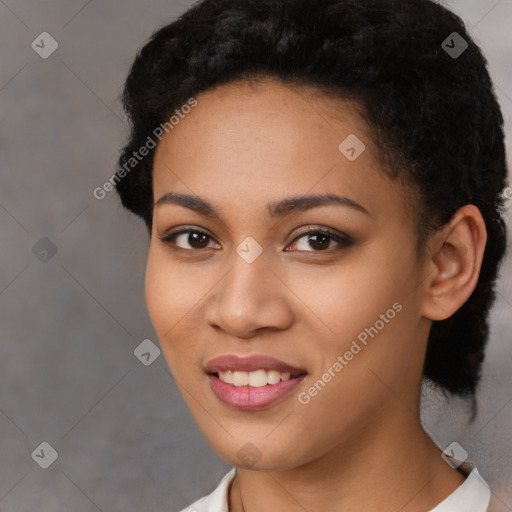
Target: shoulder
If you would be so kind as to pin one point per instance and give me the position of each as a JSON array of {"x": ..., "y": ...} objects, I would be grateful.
[
  {"x": 217, "y": 500},
  {"x": 472, "y": 496}
]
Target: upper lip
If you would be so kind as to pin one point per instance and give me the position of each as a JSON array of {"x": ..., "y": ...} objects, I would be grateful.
[{"x": 249, "y": 364}]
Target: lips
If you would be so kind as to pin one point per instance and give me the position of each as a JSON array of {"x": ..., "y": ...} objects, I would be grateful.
[
  {"x": 251, "y": 364},
  {"x": 231, "y": 378}
]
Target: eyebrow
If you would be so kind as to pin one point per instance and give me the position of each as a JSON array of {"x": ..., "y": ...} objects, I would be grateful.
[{"x": 280, "y": 208}]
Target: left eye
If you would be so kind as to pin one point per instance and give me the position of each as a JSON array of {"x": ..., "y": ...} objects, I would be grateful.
[{"x": 319, "y": 240}]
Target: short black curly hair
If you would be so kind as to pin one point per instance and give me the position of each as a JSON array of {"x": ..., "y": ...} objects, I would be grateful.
[{"x": 434, "y": 115}]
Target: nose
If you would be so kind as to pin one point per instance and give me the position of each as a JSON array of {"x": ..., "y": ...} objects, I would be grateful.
[{"x": 251, "y": 297}]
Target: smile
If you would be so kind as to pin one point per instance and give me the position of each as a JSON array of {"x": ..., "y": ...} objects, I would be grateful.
[
  {"x": 252, "y": 383},
  {"x": 256, "y": 379}
]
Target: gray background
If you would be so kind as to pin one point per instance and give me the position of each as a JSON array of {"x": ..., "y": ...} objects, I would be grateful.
[{"x": 69, "y": 326}]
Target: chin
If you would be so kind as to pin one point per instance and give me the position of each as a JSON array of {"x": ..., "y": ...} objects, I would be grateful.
[{"x": 260, "y": 456}]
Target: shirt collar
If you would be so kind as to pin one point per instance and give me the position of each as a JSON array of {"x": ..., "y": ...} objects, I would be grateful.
[{"x": 471, "y": 496}]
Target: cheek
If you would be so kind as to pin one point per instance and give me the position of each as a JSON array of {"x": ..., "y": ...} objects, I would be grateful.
[
  {"x": 171, "y": 296},
  {"x": 348, "y": 298},
  {"x": 160, "y": 286},
  {"x": 173, "y": 290},
  {"x": 367, "y": 313}
]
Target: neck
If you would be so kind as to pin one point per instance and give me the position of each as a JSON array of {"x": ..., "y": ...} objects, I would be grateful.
[{"x": 390, "y": 465}]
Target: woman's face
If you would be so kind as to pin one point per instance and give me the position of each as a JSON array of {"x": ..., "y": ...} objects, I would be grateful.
[{"x": 254, "y": 291}]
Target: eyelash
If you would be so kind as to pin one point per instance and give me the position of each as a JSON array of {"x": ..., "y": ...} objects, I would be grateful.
[{"x": 343, "y": 240}]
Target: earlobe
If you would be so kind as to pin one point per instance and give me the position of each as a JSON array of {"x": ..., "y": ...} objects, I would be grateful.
[{"x": 455, "y": 263}]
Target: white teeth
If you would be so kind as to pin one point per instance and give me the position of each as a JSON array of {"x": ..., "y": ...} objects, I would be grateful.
[
  {"x": 226, "y": 376},
  {"x": 240, "y": 378},
  {"x": 255, "y": 379},
  {"x": 258, "y": 378},
  {"x": 273, "y": 376}
]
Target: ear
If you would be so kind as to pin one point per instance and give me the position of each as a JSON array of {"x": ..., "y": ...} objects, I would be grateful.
[{"x": 453, "y": 266}]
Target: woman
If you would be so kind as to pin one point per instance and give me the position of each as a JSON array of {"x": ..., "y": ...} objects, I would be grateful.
[{"x": 321, "y": 182}]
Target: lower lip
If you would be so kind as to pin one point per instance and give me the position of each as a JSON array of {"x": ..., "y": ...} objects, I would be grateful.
[{"x": 247, "y": 398}]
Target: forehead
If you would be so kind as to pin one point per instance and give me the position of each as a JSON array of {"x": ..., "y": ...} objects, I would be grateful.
[
  {"x": 261, "y": 127},
  {"x": 266, "y": 104},
  {"x": 256, "y": 142}
]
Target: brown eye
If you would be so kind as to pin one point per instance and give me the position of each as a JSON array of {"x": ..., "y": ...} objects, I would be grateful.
[
  {"x": 194, "y": 238},
  {"x": 320, "y": 240}
]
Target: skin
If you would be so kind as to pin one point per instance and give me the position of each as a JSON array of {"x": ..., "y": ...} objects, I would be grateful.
[{"x": 240, "y": 148}]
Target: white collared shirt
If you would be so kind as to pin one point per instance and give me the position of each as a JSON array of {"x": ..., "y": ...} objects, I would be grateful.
[{"x": 471, "y": 496}]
